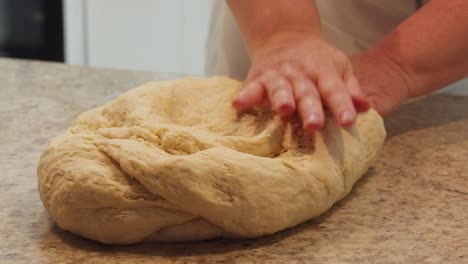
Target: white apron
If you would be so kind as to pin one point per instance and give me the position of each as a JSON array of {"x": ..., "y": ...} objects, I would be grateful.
[{"x": 351, "y": 25}]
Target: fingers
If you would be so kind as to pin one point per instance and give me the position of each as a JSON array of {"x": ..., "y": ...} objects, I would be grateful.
[
  {"x": 279, "y": 92},
  {"x": 289, "y": 89},
  {"x": 270, "y": 88},
  {"x": 251, "y": 95},
  {"x": 308, "y": 102},
  {"x": 360, "y": 101},
  {"x": 335, "y": 96}
]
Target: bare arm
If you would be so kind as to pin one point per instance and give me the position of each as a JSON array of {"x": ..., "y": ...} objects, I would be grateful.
[
  {"x": 431, "y": 46},
  {"x": 426, "y": 52},
  {"x": 261, "y": 19}
]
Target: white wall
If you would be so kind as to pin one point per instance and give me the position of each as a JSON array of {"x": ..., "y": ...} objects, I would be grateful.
[
  {"x": 74, "y": 34},
  {"x": 154, "y": 35}
]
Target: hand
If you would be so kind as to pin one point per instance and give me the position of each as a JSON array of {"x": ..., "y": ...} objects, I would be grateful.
[
  {"x": 384, "y": 80},
  {"x": 301, "y": 72}
]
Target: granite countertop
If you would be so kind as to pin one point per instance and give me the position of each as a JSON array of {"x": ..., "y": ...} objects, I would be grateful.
[{"x": 411, "y": 207}]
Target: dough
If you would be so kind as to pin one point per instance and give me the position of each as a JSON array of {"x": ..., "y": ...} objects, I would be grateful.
[{"x": 172, "y": 161}]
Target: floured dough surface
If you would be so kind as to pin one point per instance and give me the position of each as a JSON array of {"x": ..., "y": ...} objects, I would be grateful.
[{"x": 172, "y": 161}]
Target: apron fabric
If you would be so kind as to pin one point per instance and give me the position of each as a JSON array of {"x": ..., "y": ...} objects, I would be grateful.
[{"x": 351, "y": 26}]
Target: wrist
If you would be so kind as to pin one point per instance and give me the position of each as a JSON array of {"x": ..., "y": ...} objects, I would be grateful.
[
  {"x": 382, "y": 78},
  {"x": 260, "y": 20},
  {"x": 400, "y": 69},
  {"x": 283, "y": 37}
]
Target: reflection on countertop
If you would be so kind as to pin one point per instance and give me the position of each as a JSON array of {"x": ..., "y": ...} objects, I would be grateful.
[{"x": 411, "y": 207}]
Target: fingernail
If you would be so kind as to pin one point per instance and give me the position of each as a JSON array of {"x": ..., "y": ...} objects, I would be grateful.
[
  {"x": 310, "y": 128},
  {"x": 313, "y": 119},
  {"x": 239, "y": 95},
  {"x": 286, "y": 109},
  {"x": 361, "y": 104},
  {"x": 237, "y": 104},
  {"x": 312, "y": 123},
  {"x": 239, "y": 98},
  {"x": 346, "y": 117}
]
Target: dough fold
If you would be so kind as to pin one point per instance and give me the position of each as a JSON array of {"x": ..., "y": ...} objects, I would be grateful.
[{"x": 172, "y": 161}]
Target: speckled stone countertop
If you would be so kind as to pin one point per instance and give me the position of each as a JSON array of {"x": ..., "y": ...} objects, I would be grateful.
[{"x": 411, "y": 207}]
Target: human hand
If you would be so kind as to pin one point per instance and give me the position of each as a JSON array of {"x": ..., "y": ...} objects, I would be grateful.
[
  {"x": 384, "y": 79},
  {"x": 301, "y": 72}
]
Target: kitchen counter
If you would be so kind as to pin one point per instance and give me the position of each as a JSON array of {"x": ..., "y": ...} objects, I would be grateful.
[{"x": 411, "y": 207}]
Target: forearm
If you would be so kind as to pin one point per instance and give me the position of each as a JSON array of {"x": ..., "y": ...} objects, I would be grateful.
[
  {"x": 431, "y": 46},
  {"x": 262, "y": 19}
]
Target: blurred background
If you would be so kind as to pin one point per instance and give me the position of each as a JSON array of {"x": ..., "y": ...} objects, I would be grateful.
[{"x": 152, "y": 35}]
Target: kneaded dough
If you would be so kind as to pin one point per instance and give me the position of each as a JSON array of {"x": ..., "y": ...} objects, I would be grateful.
[{"x": 172, "y": 161}]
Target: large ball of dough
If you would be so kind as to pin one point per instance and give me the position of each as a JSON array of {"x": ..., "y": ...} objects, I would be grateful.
[{"x": 172, "y": 161}]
